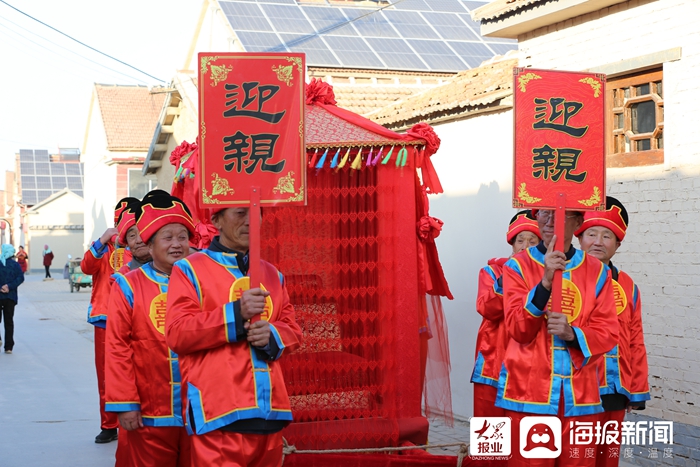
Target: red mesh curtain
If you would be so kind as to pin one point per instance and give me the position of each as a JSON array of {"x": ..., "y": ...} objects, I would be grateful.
[{"x": 342, "y": 257}]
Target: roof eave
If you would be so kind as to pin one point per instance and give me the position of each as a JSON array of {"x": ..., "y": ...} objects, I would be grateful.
[{"x": 512, "y": 24}]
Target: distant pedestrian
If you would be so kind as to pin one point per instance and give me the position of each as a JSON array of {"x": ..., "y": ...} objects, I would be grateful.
[
  {"x": 48, "y": 258},
  {"x": 11, "y": 277},
  {"x": 22, "y": 259}
]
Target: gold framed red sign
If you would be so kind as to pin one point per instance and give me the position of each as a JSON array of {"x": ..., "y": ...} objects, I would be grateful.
[
  {"x": 559, "y": 139},
  {"x": 251, "y": 117}
]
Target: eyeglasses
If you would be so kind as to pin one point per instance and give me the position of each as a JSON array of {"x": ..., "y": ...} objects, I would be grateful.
[{"x": 545, "y": 216}]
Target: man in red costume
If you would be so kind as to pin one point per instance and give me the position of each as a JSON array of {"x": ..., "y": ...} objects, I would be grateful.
[
  {"x": 229, "y": 338},
  {"x": 624, "y": 372},
  {"x": 101, "y": 261},
  {"x": 143, "y": 377},
  {"x": 549, "y": 367},
  {"x": 491, "y": 339},
  {"x": 128, "y": 234}
]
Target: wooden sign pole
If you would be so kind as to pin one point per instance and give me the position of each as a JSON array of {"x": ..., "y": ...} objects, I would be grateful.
[{"x": 559, "y": 226}]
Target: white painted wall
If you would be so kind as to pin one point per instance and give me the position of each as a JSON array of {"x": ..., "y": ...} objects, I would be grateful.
[
  {"x": 662, "y": 249},
  {"x": 475, "y": 165},
  {"x": 100, "y": 180},
  {"x": 46, "y": 228}
]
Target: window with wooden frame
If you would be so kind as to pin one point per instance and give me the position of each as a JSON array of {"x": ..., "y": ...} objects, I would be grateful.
[{"x": 635, "y": 123}]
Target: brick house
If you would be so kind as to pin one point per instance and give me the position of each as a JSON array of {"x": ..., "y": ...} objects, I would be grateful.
[
  {"x": 121, "y": 121},
  {"x": 650, "y": 52}
]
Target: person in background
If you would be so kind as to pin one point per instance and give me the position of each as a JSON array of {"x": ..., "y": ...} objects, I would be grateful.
[
  {"x": 624, "y": 373},
  {"x": 102, "y": 260},
  {"x": 142, "y": 374},
  {"x": 48, "y": 258},
  {"x": 22, "y": 259},
  {"x": 11, "y": 276},
  {"x": 492, "y": 338}
]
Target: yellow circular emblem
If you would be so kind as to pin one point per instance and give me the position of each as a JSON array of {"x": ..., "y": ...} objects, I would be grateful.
[
  {"x": 117, "y": 258},
  {"x": 243, "y": 284},
  {"x": 157, "y": 312},
  {"x": 620, "y": 297},
  {"x": 570, "y": 300}
]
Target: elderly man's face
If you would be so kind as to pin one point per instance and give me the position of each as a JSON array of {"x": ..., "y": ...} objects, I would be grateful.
[
  {"x": 168, "y": 245},
  {"x": 545, "y": 221},
  {"x": 138, "y": 249},
  {"x": 233, "y": 225},
  {"x": 599, "y": 242}
]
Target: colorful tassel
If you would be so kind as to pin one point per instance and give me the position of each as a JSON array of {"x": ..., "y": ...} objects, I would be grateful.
[
  {"x": 369, "y": 158},
  {"x": 334, "y": 162},
  {"x": 401, "y": 157},
  {"x": 313, "y": 159},
  {"x": 388, "y": 156},
  {"x": 357, "y": 163},
  {"x": 322, "y": 160},
  {"x": 378, "y": 156},
  {"x": 344, "y": 160}
]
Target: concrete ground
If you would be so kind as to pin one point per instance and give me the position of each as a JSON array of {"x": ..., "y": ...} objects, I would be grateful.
[{"x": 49, "y": 412}]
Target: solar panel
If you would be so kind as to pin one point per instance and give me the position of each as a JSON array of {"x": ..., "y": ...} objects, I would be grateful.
[
  {"x": 42, "y": 168},
  {"x": 450, "y": 26},
  {"x": 42, "y": 195},
  {"x": 75, "y": 183},
  {"x": 245, "y": 16},
  {"x": 412, "y": 5},
  {"x": 354, "y": 52},
  {"x": 411, "y": 24},
  {"x": 43, "y": 183},
  {"x": 476, "y": 27},
  {"x": 26, "y": 155},
  {"x": 79, "y": 193},
  {"x": 473, "y": 5},
  {"x": 28, "y": 182},
  {"x": 259, "y": 41},
  {"x": 59, "y": 183},
  {"x": 29, "y": 197},
  {"x": 438, "y": 55},
  {"x": 335, "y": 34},
  {"x": 313, "y": 46},
  {"x": 472, "y": 52},
  {"x": 73, "y": 169},
  {"x": 26, "y": 168},
  {"x": 288, "y": 19},
  {"x": 396, "y": 54},
  {"x": 500, "y": 48},
  {"x": 328, "y": 21},
  {"x": 447, "y": 5},
  {"x": 41, "y": 155},
  {"x": 58, "y": 168},
  {"x": 370, "y": 24}
]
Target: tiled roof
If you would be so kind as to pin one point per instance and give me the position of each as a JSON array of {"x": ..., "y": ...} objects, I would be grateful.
[
  {"x": 130, "y": 115},
  {"x": 499, "y": 8},
  {"x": 468, "y": 91},
  {"x": 365, "y": 91},
  {"x": 365, "y": 99}
]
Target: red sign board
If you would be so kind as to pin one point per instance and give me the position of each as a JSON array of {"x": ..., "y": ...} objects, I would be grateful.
[
  {"x": 251, "y": 117},
  {"x": 559, "y": 139}
]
